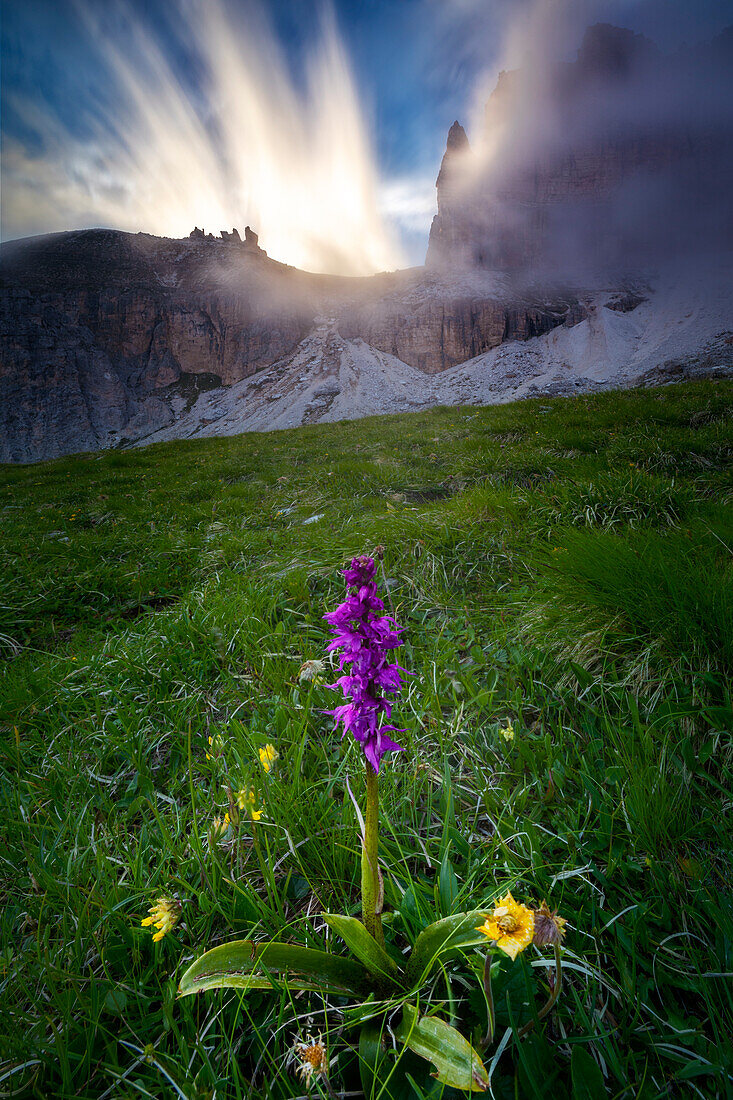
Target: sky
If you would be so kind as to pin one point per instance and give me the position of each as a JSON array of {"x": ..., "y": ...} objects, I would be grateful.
[{"x": 321, "y": 127}]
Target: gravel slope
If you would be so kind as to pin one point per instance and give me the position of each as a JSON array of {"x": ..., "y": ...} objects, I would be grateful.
[{"x": 684, "y": 328}]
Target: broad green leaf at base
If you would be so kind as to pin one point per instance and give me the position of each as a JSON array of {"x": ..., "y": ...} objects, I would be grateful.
[
  {"x": 245, "y": 965},
  {"x": 364, "y": 946},
  {"x": 456, "y": 1061},
  {"x": 586, "y": 1076},
  {"x": 442, "y": 940}
]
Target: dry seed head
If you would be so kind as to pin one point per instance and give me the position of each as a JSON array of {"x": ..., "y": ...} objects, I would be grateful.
[
  {"x": 311, "y": 670},
  {"x": 312, "y": 1058},
  {"x": 549, "y": 928}
]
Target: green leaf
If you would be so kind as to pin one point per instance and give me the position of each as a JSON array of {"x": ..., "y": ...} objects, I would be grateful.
[
  {"x": 584, "y": 678},
  {"x": 416, "y": 908},
  {"x": 375, "y": 1067},
  {"x": 719, "y": 717},
  {"x": 368, "y": 1009},
  {"x": 444, "y": 939},
  {"x": 456, "y": 1061},
  {"x": 116, "y": 1001},
  {"x": 245, "y": 965},
  {"x": 370, "y": 1055},
  {"x": 447, "y": 886},
  {"x": 586, "y": 1076},
  {"x": 364, "y": 946}
]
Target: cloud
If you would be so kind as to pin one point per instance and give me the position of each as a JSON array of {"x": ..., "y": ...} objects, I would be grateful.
[
  {"x": 245, "y": 141},
  {"x": 409, "y": 201}
]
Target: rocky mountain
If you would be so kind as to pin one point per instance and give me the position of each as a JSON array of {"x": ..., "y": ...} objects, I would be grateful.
[
  {"x": 110, "y": 339},
  {"x": 683, "y": 328},
  {"x": 105, "y": 335},
  {"x": 620, "y": 158}
]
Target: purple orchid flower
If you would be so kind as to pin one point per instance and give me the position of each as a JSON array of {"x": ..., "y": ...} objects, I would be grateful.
[{"x": 365, "y": 638}]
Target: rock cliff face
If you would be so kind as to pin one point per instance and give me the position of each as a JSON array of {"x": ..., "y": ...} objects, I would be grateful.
[
  {"x": 101, "y": 329},
  {"x": 434, "y": 332},
  {"x": 55, "y": 384},
  {"x": 165, "y": 307},
  {"x": 108, "y": 336},
  {"x": 587, "y": 164},
  {"x": 684, "y": 328}
]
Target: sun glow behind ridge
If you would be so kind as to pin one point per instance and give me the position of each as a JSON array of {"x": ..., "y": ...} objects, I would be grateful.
[{"x": 246, "y": 144}]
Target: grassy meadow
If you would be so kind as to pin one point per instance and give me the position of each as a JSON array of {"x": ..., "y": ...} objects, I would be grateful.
[{"x": 564, "y": 565}]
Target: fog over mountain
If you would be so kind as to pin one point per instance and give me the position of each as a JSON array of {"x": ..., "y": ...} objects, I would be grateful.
[{"x": 612, "y": 163}]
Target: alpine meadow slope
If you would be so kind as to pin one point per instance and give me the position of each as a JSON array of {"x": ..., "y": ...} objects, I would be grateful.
[{"x": 562, "y": 569}]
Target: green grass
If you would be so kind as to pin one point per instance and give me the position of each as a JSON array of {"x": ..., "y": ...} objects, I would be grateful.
[{"x": 564, "y": 563}]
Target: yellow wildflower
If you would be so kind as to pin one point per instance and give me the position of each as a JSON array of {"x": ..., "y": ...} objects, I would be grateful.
[
  {"x": 312, "y": 1058},
  {"x": 216, "y": 744},
  {"x": 507, "y": 732},
  {"x": 246, "y": 801},
  {"x": 164, "y": 916},
  {"x": 511, "y": 925},
  {"x": 268, "y": 756},
  {"x": 549, "y": 928}
]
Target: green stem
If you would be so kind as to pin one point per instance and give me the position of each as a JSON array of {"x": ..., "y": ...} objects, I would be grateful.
[
  {"x": 557, "y": 986},
  {"x": 371, "y": 903},
  {"x": 547, "y": 1006},
  {"x": 489, "y": 1037},
  {"x": 264, "y": 868}
]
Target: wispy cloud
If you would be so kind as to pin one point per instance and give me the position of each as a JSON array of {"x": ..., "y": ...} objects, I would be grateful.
[
  {"x": 245, "y": 143},
  {"x": 409, "y": 201}
]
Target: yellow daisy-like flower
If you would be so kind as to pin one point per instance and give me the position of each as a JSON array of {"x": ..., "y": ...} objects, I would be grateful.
[
  {"x": 511, "y": 925},
  {"x": 268, "y": 756},
  {"x": 164, "y": 915},
  {"x": 507, "y": 732},
  {"x": 246, "y": 801}
]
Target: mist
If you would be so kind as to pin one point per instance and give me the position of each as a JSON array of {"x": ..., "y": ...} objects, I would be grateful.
[
  {"x": 245, "y": 142},
  {"x": 593, "y": 152}
]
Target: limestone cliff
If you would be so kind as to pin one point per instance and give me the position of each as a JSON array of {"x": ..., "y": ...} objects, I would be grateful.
[
  {"x": 435, "y": 328},
  {"x": 596, "y": 164},
  {"x": 106, "y": 337},
  {"x": 99, "y": 330}
]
